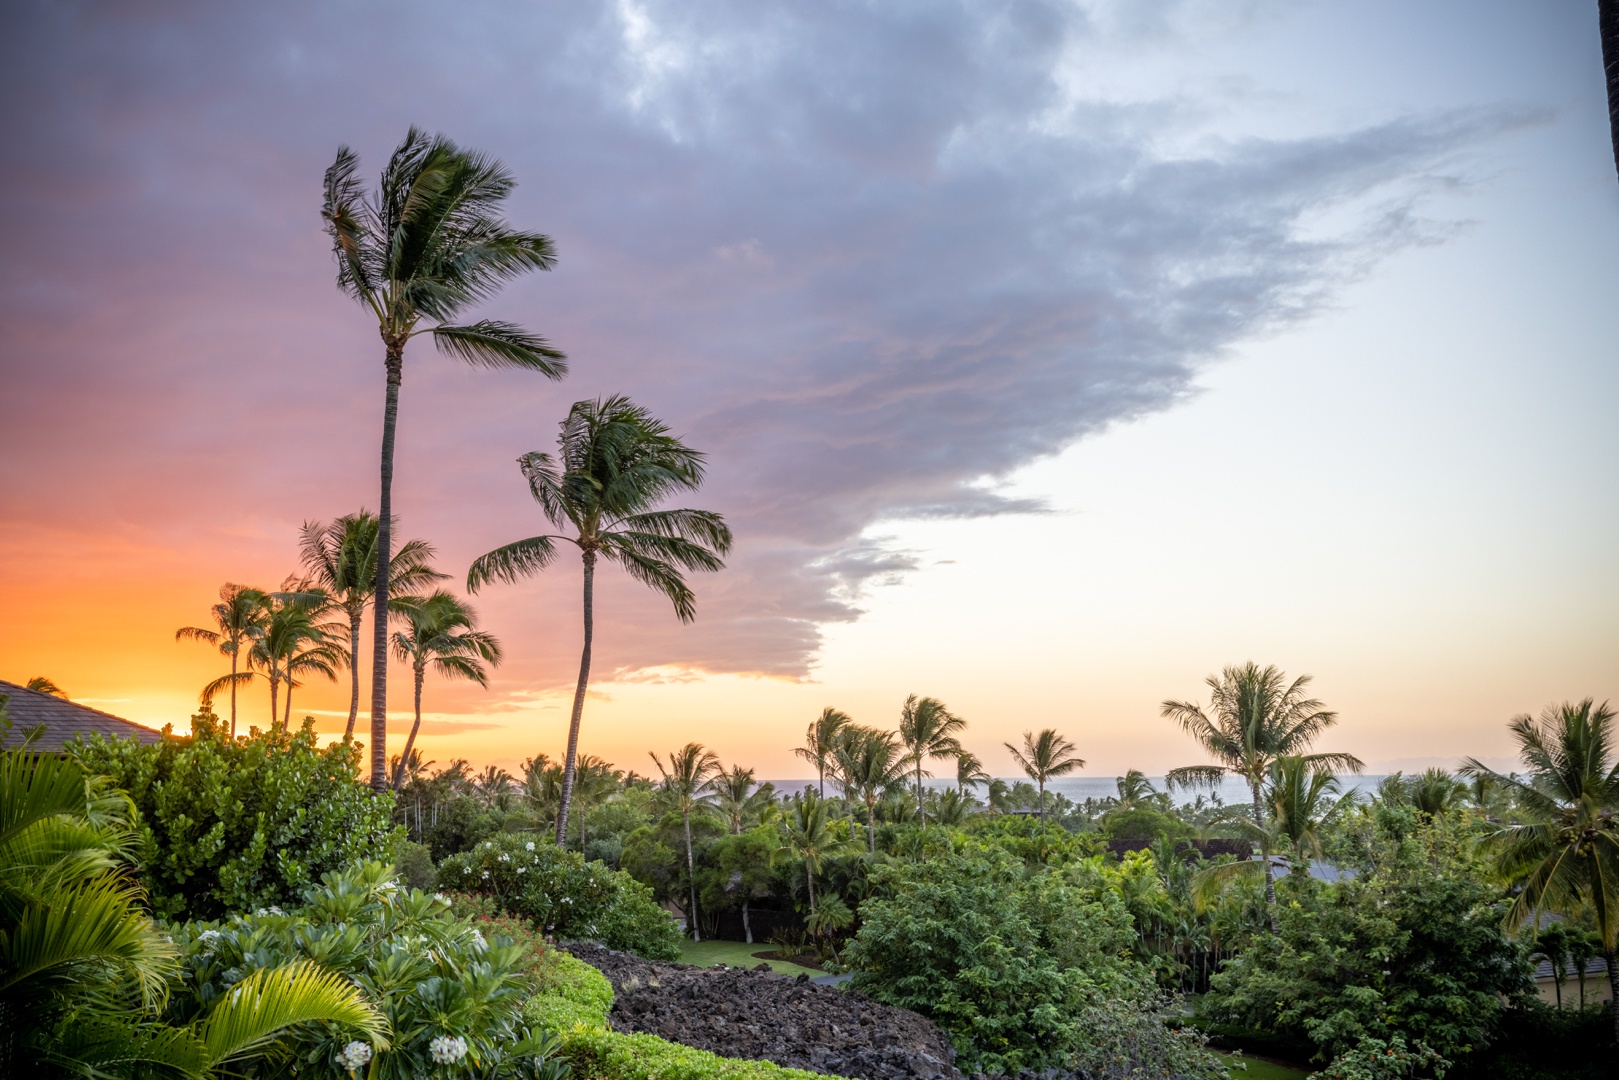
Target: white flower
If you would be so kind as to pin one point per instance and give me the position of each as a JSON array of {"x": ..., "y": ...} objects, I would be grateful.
[
  {"x": 208, "y": 937},
  {"x": 441, "y": 898},
  {"x": 529, "y": 846},
  {"x": 271, "y": 910},
  {"x": 354, "y": 1055},
  {"x": 522, "y": 869},
  {"x": 478, "y": 937},
  {"x": 505, "y": 857},
  {"x": 486, "y": 873},
  {"x": 447, "y": 1049}
]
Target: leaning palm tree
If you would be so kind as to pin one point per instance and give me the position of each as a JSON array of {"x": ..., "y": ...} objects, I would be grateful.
[
  {"x": 616, "y": 463},
  {"x": 821, "y": 743},
  {"x": 1044, "y": 756},
  {"x": 970, "y": 772},
  {"x": 685, "y": 784},
  {"x": 1255, "y": 716},
  {"x": 869, "y": 763},
  {"x": 294, "y": 640},
  {"x": 928, "y": 729},
  {"x": 1566, "y": 855},
  {"x": 440, "y": 633},
  {"x": 45, "y": 686},
  {"x": 239, "y": 616},
  {"x": 341, "y": 560},
  {"x": 421, "y": 250}
]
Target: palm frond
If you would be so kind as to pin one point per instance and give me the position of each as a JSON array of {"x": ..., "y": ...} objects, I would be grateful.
[
  {"x": 661, "y": 577},
  {"x": 258, "y": 1008},
  {"x": 492, "y": 344},
  {"x": 512, "y": 562}
]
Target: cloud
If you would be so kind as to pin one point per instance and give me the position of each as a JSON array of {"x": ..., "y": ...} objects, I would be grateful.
[{"x": 871, "y": 258}]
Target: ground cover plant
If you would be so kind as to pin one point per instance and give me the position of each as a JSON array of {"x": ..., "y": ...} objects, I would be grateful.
[{"x": 227, "y": 825}]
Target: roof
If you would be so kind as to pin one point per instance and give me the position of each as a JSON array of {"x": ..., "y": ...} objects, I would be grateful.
[
  {"x": 63, "y": 720},
  {"x": 1594, "y": 966}
]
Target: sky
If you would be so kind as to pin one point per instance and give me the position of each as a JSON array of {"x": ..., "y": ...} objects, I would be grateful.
[{"x": 1048, "y": 357}]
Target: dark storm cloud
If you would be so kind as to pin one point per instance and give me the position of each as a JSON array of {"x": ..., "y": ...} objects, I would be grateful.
[{"x": 869, "y": 257}]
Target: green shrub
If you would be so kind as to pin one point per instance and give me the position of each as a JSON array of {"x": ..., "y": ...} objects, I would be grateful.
[
  {"x": 1006, "y": 962},
  {"x": 235, "y": 826},
  {"x": 450, "y": 994},
  {"x": 573, "y": 995},
  {"x": 530, "y": 876},
  {"x": 415, "y": 865}
]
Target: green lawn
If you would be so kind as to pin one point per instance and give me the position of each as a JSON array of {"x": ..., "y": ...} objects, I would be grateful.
[
  {"x": 1262, "y": 1070},
  {"x": 735, "y": 954}
]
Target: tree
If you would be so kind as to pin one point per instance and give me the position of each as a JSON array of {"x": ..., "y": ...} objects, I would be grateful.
[
  {"x": 811, "y": 838},
  {"x": 970, "y": 772},
  {"x": 440, "y": 632},
  {"x": 1565, "y": 855},
  {"x": 596, "y": 780},
  {"x": 239, "y": 616},
  {"x": 427, "y": 245},
  {"x": 84, "y": 970},
  {"x": 340, "y": 559},
  {"x": 1608, "y": 30},
  {"x": 1255, "y": 717},
  {"x": 616, "y": 463},
  {"x": 928, "y": 729},
  {"x": 295, "y": 641},
  {"x": 737, "y": 796},
  {"x": 1044, "y": 756},
  {"x": 46, "y": 686},
  {"x": 685, "y": 785},
  {"x": 821, "y": 743},
  {"x": 869, "y": 763}
]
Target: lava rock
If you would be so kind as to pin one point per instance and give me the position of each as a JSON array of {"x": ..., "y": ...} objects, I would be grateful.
[{"x": 758, "y": 1015}]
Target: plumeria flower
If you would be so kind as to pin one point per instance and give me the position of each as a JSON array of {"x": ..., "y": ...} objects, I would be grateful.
[
  {"x": 529, "y": 846},
  {"x": 354, "y": 1055},
  {"x": 447, "y": 1049},
  {"x": 441, "y": 898}
]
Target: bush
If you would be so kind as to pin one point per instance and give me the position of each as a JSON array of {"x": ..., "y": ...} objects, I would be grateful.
[
  {"x": 234, "y": 826},
  {"x": 415, "y": 865},
  {"x": 1012, "y": 966},
  {"x": 450, "y": 994},
  {"x": 1537, "y": 1042},
  {"x": 529, "y": 876}
]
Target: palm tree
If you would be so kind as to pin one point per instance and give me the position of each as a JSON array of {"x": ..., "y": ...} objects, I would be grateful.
[
  {"x": 428, "y": 244},
  {"x": 869, "y": 763},
  {"x": 821, "y": 742},
  {"x": 928, "y": 729},
  {"x": 596, "y": 780},
  {"x": 294, "y": 640},
  {"x": 239, "y": 616},
  {"x": 493, "y": 785},
  {"x": 810, "y": 838},
  {"x": 46, "y": 686},
  {"x": 1566, "y": 855},
  {"x": 615, "y": 464},
  {"x": 1044, "y": 756},
  {"x": 440, "y": 633},
  {"x": 1255, "y": 717},
  {"x": 685, "y": 782},
  {"x": 84, "y": 969},
  {"x": 737, "y": 796},
  {"x": 970, "y": 772},
  {"x": 1135, "y": 790},
  {"x": 341, "y": 558}
]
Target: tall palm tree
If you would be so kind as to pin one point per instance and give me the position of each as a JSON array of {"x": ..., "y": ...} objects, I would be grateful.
[
  {"x": 970, "y": 772},
  {"x": 810, "y": 838},
  {"x": 493, "y": 786},
  {"x": 295, "y": 640},
  {"x": 737, "y": 796},
  {"x": 685, "y": 784},
  {"x": 239, "y": 616},
  {"x": 1566, "y": 854},
  {"x": 869, "y": 763},
  {"x": 821, "y": 743},
  {"x": 341, "y": 559},
  {"x": 440, "y": 633},
  {"x": 928, "y": 729},
  {"x": 596, "y": 780},
  {"x": 1044, "y": 756},
  {"x": 615, "y": 464},
  {"x": 424, "y": 247},
  {"x": 1255, "y": 716}
]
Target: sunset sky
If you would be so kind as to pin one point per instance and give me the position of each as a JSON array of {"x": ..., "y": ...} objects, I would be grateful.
[{"x": 1048, "y": 356}]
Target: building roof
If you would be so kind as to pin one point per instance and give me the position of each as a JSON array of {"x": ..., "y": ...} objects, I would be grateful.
[
  {"x": 63, "y": 720},
  {"x": 1594, "y": 966}
]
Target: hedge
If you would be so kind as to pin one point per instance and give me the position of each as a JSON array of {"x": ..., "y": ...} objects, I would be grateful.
[{"x": 574, "y": 1003}]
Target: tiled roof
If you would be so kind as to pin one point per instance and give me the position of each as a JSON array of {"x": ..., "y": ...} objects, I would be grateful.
[
  {"x": 62, "y": 720},
  {"x": 1594, "y": 966}
]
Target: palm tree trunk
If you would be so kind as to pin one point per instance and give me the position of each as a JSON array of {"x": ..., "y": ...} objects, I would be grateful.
[
  {"x": 286, "y": 715},
  {"x": 747, "y": 927},
  {"x": 1270, "y": 878},
  {"x": 1611, "y": 958},
  {"x": 275, "y": 683},
  {"x": 355, "y": 618},
  {"x": 404, "y": 756},
  {"x": 871, "y": 824},
  {"x": 921, "y": 811},
  {"x": 691, "y": 879},
  {"x": 1608, "y": 30},
  {"x": 235, "y": 653},
  {"x": 570, "y": 761},
  {"x": 395, "y": 362},
  {"x": 809, "y": 878}
]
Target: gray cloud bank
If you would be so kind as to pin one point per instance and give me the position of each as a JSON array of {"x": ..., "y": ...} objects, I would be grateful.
[{"x": 869, "y": 257}]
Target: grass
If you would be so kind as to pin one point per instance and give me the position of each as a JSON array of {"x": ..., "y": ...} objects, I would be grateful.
[
  {"x": 1259, "y": 1069},
  {"x": 735, "y": 954}
]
